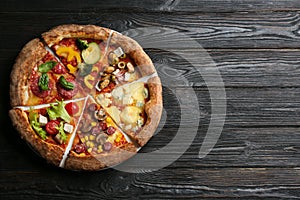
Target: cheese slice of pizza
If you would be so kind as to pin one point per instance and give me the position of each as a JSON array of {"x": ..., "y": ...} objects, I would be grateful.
[{"x": 135, "y": 107}]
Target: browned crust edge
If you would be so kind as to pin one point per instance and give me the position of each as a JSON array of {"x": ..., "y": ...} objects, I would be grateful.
[
  {"x": 56, "y": 34},
  {"x": 153, "y": 109},
  {"x": 52, "y": 153},
  {"x": 102, "y": 161},
  {"x": 31, "y": 53},
  {"x": 135, "y": 51}
]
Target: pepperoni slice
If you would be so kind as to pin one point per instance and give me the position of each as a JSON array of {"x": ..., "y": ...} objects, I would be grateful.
[
  {"x": 67, "y": 94},
  {"x": 59, "y": 69},
  {"x": 110, "y": 130},
  {"x": 36, "y": 89}
]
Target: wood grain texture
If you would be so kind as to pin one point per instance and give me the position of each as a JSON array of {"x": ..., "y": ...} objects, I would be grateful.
[
  {"x": 169, "y": 183},
  {"x": 263, "y": 30},
  {"x": 153, "y": 5},
  {"x": 254, "y": 44}
]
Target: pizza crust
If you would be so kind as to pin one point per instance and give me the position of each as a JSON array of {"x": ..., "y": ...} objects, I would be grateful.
[
  {"x": 153, "y": 109},
  {"x": 91, "y": 163},
  {"x": 58, "y": 33},
  {"x": 135, "y": 51},
  {"x": 32, "y": 52},
  {"x": 52, "y": 153}
]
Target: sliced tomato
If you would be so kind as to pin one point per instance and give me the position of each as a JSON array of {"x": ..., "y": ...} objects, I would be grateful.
[
  {"x": 51, "y": 127},
  {"x": 72, "y": 108}
]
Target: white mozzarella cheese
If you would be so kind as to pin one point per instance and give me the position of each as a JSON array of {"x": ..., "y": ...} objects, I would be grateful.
[
  {"x": 68, "y": 128},
  {"x": 43, "y": 120},
  {"x": 119, "y": 51}
]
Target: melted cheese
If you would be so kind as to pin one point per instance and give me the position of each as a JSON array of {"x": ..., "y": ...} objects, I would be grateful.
[
  {"x": 114, "y": 113},
  {"x": 130, "y": 115}
]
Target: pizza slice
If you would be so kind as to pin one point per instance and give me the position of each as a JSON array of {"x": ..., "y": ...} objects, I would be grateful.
[
  {"x": 38, "y": 77},
  {"x": 98, "y": 140},
  {"x": 135, "y": 107},
  {"x": 124, "y": 62},
  {"x": 81, "y": 49},
  {"x": 48, "y": 128}
]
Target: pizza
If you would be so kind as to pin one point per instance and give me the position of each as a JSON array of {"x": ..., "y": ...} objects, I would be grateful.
[{"x": 85, "y": 97}]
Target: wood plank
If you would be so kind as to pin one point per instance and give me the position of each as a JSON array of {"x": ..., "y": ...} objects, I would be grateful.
[
  {"x": 246, "y": 107},
  {"x": 237, "y": 30},
  {"x": 231, "y": 6},
  {"x": 183, "y": 183},
  {"x": 154, "y": 5},
  {"x": 238, "y": 68}
]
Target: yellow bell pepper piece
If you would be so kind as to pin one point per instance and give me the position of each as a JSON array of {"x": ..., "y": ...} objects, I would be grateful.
[
  {"x": 87, "y": 80},
  {"x": 71, "y": 53},
  {"x": 95, "y": 69},
  {"x": 118, "y": 138},
  {"x": 71, "y": 68}
]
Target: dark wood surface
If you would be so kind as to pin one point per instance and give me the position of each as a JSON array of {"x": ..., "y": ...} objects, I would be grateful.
[{"x": 255, "y": 45}]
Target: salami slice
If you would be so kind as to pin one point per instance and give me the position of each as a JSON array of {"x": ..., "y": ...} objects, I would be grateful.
[
  {"x": 65, "y": 93},
  {"x": 36, "y": 89}
]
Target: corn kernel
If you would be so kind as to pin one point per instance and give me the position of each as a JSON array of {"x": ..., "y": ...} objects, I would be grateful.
[
  {"x": 82, "y": 140},
  {"x": 90, "y": 150},
  {"x": 99, "y": 150},
  {"x": 88, "y": 143},
  {"x": 118, "y": 138},
  {"x": 86, "y": 138},
  {"x": 92, "y": 137},
  {"x": 94, "y": 124},
  {"x": 109, "y": 120},
  {"x": 92, "y": 144}
]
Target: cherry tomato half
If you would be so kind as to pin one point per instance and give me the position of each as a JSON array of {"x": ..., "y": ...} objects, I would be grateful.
[
  {"x": 72, "y": 108},
  {"x": 51, "y": 127}
]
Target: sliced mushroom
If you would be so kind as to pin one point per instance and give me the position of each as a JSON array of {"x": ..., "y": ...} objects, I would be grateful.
[
  {"x": 113, "y": 58},
  {"x": 101, "y": 138},
  {"x": 86, "y": 127},
  {"x": 100, "y": 114}
]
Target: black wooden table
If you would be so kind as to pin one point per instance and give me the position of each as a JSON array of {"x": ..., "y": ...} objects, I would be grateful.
[{"x": 253, "y": 44}]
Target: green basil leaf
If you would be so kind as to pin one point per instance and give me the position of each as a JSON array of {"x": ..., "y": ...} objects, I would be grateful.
[
  {"x": 44, "y": 82},
  {"x": 82, "y": 44},
  {"x": 67, "y": 85},
  {"x": 47, "y": 66}
]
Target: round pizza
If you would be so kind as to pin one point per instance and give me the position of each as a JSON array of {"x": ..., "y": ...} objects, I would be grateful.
[{"x": 85, "y": 97}]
